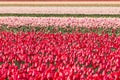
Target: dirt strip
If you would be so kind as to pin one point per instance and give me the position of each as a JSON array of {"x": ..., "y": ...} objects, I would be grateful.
[
  {"x": 60, "y": 2},
  {"x": 56, "y": 7},
  {"x": 60, "y": 10}
]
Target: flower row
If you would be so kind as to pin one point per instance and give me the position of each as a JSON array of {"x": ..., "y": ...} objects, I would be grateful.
[
  {"x": 60, "y": 22},
  {"x": 77, "y": 56}
]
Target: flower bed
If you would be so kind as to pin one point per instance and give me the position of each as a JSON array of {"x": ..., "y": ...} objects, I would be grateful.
[
  {"x": 60, "y": 22},
  {"x": 40, "y": 56}
]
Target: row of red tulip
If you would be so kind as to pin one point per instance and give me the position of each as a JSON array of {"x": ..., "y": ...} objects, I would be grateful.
[
  {"x": 40, "y": 56},
  {"x": 60, "y": 22}
]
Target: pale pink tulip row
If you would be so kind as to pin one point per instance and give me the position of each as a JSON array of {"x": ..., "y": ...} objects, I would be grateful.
[{"x": 59, "y": 22}]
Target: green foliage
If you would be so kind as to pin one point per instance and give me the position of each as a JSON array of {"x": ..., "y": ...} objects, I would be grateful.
[
  {"x": 52, "y": 29},
  {"x": 63, "y": 15}
]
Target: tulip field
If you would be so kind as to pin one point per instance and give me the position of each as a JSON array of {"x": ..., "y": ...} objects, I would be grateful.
[
  {"x": 62, "y": 22},
  {"x": 59, "y": 48}
]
